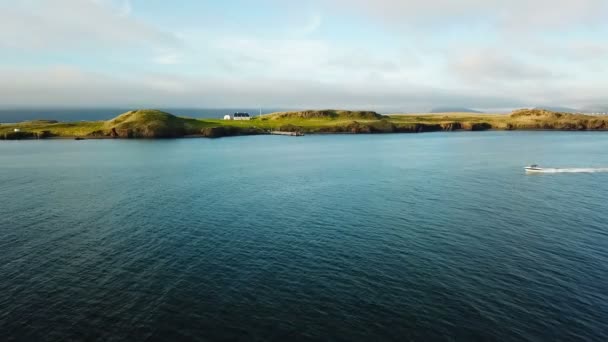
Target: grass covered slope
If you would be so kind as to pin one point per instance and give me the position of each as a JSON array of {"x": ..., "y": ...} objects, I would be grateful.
[
  {"x": 143, "y": 123},
  {"x": 48, "y": 128},
  {"x": 544, "y": 119},
  {"x": 149, "y": 123},
  {"x": 523, "y": 119},
  {"x": 327, "y": 114},
  {"x": 311, "y": 121}
]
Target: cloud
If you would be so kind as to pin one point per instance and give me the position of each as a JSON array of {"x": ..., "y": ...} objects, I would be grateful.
[
  {"x": 579, "y": 51},
  {"x": 273, "y": 57},
  {"x": 69, "y": 86},
  {"x": 56, "y": 25},
  {"x": 497, "y": 66},
  {"x": 170, "y": 58},
  {"x": 358, "y": 60},
  {"x": 122, "y": 7},
  {"x": 520, "y": 15},
  {"x": 313, "y": 25},
  {"x": 300, "y": 59},
  {"x": 126, "y": 8},
  {"x": 404, "y": 54}
]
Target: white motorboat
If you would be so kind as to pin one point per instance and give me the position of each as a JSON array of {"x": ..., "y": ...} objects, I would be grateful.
[{"x": 533, "y": 168}]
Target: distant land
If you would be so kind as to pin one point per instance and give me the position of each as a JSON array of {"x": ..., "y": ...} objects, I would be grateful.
[
  {"x": 151, "y": 123},
  {"x": 595, "y": 109},
  {"x": 453, "y": 110},
  {"x": 559, "y": 109},
  {"x": 585, "y": 110},
  {"x": 12, "y": 115}
]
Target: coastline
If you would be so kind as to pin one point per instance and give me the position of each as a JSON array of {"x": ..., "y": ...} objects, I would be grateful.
[
  {"x": 155, "y": 124},
  {"x": 200, "y": 136}
]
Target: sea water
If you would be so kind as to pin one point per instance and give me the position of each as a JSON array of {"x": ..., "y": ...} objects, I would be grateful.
[{"x": 433, "y": 236}]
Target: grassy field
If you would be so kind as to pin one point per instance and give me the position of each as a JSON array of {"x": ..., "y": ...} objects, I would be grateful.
[
  {"x": 438, "y": 118},
  {"x": 158, "y": 124},
  {"x": 62, "y": 129},
  {"x": 533, "y": 119}
]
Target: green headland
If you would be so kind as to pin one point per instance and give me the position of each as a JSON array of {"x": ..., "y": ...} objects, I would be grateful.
[{"x": 149, "y": 123}]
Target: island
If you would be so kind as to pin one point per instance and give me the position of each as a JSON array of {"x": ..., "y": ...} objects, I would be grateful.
[{"x": 150, "y": 123}]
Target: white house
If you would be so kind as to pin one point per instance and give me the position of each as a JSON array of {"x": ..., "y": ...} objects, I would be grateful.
[
  {"x": 241, "y": 116},
  {"x": 16, "y": 130},
  {"x": 227, "y": 117}
]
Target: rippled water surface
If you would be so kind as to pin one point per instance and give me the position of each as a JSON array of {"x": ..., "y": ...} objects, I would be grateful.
[{"x": 368, "y": 237}]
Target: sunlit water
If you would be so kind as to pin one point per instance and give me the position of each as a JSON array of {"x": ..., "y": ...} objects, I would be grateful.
[
  {"x": 433, "y": 236},
  {"x": 573, "y": 170}
]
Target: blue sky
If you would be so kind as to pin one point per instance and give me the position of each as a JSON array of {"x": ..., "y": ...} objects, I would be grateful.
[{"x": 390, "y": 55}]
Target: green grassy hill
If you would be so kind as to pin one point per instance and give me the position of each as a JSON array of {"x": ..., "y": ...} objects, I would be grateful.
[
  {"x": 149, "y": 123},
  {"x": 326, "y": 114}
]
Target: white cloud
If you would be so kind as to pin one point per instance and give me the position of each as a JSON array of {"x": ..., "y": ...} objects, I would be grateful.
[
  {"x": 521, "y": 15},
  {"x": 55, "y": 25},
  {"x": 170, "y": 58},
  {"x": 498, "y": 66},
  {"x": 298, "y": 58},
  {"x": 313, "y": 25},
  {"x": 126, "y": 8},
  {"x": 122, "y": 7},
  {"x": 61, "y": 86},
  {"x": 362, "y": 53}
]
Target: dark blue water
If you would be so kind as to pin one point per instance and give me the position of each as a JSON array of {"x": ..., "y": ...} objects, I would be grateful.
[
  {"x": 96, "y": 114},
  {"x": 368, "y": 237}
]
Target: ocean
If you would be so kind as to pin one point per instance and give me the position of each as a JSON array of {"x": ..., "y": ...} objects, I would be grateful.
[{"x": 394, "y": 237}]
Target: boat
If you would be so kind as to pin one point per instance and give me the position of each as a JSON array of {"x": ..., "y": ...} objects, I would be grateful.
[{"x": 533, "y": 168}]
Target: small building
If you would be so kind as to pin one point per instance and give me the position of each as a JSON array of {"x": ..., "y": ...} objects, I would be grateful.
[
  {"x": 241, "y": 116},
  {"x": 16, "y": 130},
  {"x": 227, "y": 117}
]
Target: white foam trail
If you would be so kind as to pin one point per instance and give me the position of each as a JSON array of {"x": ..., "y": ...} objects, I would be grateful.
[{"x": 573, "y": 170}]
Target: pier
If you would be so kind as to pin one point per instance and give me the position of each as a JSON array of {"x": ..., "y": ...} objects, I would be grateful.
[{"x": 290, "y": 134}]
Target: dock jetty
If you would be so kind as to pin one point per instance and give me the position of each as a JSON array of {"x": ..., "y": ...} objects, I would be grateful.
[{"x": 291, "y": 134}]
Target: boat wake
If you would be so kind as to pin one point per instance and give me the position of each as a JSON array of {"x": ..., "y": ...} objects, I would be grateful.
[{"x": 572, "y": 170}]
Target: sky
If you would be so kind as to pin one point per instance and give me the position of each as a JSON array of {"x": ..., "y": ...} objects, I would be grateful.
[{"x": 386, "y": 55}]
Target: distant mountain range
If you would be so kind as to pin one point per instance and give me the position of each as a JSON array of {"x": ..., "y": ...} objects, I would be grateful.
[
  {"x": 453, "y": 110},
  {"x": 595, "y": 109},
  {"x": 586, "y": 110}
]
